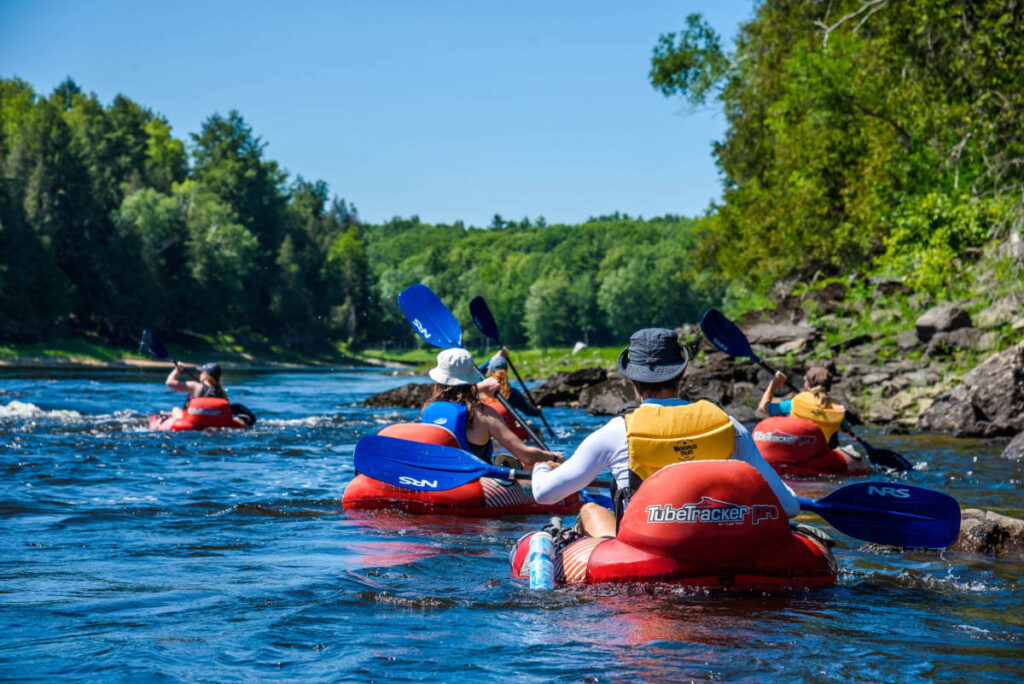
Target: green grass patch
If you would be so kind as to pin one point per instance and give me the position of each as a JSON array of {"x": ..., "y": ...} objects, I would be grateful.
[
  {"x": 534, "y": 364},
  {"x": 85, "y": 348}
]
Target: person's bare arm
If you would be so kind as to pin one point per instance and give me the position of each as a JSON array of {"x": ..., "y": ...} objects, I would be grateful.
[
  {"x": 175, "y": 382},
  {"x": 769, "y": 393},
  {"x": 525, "y": 454}
]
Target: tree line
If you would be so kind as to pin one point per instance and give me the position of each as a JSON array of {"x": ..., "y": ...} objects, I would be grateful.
[
  {"x": 108, "y": 224},
  {"x": 863, "y": 136}
]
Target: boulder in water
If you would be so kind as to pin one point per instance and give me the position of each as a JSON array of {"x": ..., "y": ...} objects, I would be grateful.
[
  {"x": 989, "y": 533},
  {"x": 413, "y": 395},
  {"x": 609, "y": 398},
  {"x": 563, "y": 389},
  {"x": 1015, "y": 449}
]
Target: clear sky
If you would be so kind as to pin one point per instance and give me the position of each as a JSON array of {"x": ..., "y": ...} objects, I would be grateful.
[{"x": 446, "y": 110}]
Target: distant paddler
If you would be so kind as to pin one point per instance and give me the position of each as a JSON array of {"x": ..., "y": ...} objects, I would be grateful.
[
  {"x": 814, "y": 403},
  {"x": 208, "y": 384},
  {"x": 497, "y": 368}
]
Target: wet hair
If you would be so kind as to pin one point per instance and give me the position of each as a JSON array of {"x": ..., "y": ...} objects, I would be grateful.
[
  {"x": 457, "y": 394},
  {"x": 504, "y": 389},
  {"x": 650, "y": 389},
  {"x": 819, "y": 380}
]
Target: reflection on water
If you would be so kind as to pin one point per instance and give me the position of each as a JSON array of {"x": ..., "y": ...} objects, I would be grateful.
[{"x": 226, "y": 556}]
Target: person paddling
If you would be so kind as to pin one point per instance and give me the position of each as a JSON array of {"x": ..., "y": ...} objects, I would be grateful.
[
  {"x": 457, "y": 404},
  {"x": 663, "y": 430},
  {"x": 207, "y": 386},
  {"x": 497, "y": 369},
  {"x": 814, "y": 403}
]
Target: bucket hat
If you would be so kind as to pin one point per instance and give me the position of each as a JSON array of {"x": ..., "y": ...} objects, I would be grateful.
[
  {"x": 497, "y": 363},
  {"x": 212, "y": 369},
  {"x": 454, "y": 367},
  {"x": 653, "y": 355}
]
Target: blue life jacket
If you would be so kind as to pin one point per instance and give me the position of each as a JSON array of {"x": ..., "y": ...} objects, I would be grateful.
[{"x": 452, "y": 417}]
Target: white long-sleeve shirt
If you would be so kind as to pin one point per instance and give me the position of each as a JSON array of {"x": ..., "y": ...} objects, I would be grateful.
[{"x": 608, "y": 448}]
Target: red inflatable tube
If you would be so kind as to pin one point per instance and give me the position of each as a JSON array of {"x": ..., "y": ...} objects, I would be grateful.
[
  {"x": 510, "y": 420},
  {"x": 796, "y": 447},
  {"x": 200, "y": 414},
  {"x": 482, "y": 498},
  {"x": 701, "y": 524}
]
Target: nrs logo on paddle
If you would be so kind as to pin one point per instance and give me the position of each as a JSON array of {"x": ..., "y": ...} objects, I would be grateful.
[
  {"x": 709, "y": 510},
  {"x": 420, "y": 328},
  {"x": 416, "y": 482}
]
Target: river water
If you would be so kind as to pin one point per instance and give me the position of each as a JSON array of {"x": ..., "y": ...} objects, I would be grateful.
[{"x": 129, "y": 555}]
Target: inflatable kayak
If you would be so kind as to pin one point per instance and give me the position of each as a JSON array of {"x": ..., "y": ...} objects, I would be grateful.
[
  {"x": 700, "y": 524},
  {"x": 203, "y": 413},
  {"x": 483, "y": 497},
  {"x": 796, "y": 447}
]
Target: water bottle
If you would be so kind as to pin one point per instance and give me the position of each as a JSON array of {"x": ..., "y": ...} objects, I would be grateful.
[{"x": 542, "y": 562}]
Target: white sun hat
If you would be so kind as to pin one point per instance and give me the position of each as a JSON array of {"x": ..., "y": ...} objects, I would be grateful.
[{"x": 455, "y": 367}]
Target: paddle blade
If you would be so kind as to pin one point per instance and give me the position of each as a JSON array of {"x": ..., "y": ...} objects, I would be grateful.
[
  {"x": 891, "y": 513},
  {"x": 886, "y": 458},
  {"x": 430, "y": 317},
  {"x": 153, "y": 346},
  {"x": 413, "y": 465},
  {"x": 483, "y": 319},
  {"x": 724, "y": 334}
]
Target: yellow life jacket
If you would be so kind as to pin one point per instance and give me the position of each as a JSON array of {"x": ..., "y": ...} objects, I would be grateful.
[
  {"x": 661, "y": 435},
  {"x": 828, "y": 418}
]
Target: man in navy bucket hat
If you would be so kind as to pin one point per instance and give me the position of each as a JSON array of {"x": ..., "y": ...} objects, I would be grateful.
[{"x": 634, "y": 446}]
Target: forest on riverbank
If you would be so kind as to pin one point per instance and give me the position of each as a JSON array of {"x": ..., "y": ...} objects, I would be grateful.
[{"x": 866, "y": 137}]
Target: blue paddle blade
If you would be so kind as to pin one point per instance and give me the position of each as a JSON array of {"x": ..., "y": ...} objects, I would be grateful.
[
  {"x": 423, "y": 467},
  {"x": 483, "y": 319},
  {"x": 724, "y": 334},
  {"x": 430, "y": 317},
  {"x": 891, "y": 513},
  {"x": 153, "y": 346}
]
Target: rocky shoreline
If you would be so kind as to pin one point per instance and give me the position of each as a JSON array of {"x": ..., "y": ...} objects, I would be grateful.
[
  {"x": 913, "y": 386},
  {"x": 902, "y": 384}
]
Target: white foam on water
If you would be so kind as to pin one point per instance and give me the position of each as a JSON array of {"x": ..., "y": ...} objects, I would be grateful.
[
  {"x": 308, "y": 421},
  {"x": 18, "y": 410}
]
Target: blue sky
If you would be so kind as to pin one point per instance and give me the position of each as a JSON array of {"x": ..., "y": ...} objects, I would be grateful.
[{"x": 446, "y": 110}]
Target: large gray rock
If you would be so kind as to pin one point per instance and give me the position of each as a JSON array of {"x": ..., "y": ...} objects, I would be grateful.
[
  {"x": 413, "y": 395},
  {"x": 942, "y": 318},
  {"x": 989, "y": 533},
  {"x": 563, "y": 389},
  {"x": 989, "y": 403},
  {"x": 1002, "y": 311},
  {"x": 1015, "y": 449},
  {"x": 945, "y": 343},
  {"x": 907, "y": 340},
  {"x": 609, "y": 398},
  {"x": 772, "y": 334}
]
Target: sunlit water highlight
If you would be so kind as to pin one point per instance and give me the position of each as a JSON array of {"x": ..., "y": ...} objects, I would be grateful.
[{"x": 130, "y": 555}]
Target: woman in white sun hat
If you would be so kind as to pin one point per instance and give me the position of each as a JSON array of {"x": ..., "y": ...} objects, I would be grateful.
[{"x": 456, "y": 406}]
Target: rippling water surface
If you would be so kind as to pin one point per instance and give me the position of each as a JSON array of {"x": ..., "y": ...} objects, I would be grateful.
[{"x": 220, "y": 556}]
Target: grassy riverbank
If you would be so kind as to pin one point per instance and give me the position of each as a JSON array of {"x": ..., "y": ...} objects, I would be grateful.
[
  {"x": 91, "y": 350},
  {"x": 533, "y": 364}
]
